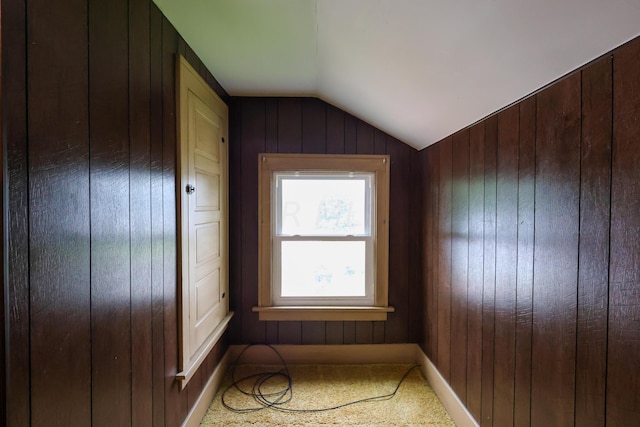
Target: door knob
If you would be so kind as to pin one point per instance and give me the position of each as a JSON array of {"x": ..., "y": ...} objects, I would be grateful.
[{"x": 190, "y": 189}]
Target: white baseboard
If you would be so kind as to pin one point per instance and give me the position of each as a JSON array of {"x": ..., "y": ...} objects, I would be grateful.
[
  {"x": 327, "y": 354},
  {"x": 459, "y": 413},
  {"x": 334, "y": 354},
  {"x": 208, "y": 393}
]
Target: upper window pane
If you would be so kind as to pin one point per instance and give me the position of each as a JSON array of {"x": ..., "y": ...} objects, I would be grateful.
[{"x": 316, "y": 205}]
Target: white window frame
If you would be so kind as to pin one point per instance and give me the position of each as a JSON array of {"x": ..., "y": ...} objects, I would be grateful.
[
  {"x": 278, "y": 237},
  {"x": 374, "y": 306}
]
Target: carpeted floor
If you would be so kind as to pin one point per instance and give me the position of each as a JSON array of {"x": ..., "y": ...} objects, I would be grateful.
[{"x": 322, "y": 386}]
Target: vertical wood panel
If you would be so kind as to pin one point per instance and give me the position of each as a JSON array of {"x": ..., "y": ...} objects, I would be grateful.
[
  {"x": 556, "y": 253},
  {"x": 350, "y": 134},
  {"x": 312, "y": 333},
  {"x": 415, "y": 294},
  {"x": 110, "y": 228},
  {"x": 14, "y": 122},
  {"x": 140, "y": 218},
  {"x": 294, "y": 125},
  {"x": 271, "y": 125},
  {"x": 426, "y": 183},
  {"x": 506, "y": 264},
  {"x": 334, "y": 332},
  {"x": 459, "y": 262},
  {"x": 444, "y": 260},
  {"x": 524, "y": 299},
  {"x": 489, "y": 269},
  {"x": 314, "y": 126},
  {"x": 396, "y": 328},
  {"x": 475, "y": 269},
  {"x": 59, "y": 188},
  {"x": 252, "y": 143},
  {"x": 157, "y": 215},
  {"x": 433, "y": 278},
  {"x": 593, "y": 279},
  {"x": 335, "y": 130},
  {"x": 623, "y": 381}
]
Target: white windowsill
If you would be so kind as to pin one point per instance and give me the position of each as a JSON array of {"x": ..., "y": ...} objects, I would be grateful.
[{"x": 323, "y": 313}]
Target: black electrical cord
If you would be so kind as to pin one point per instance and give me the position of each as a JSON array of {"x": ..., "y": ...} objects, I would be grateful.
[{"x": 275, "y": 399}]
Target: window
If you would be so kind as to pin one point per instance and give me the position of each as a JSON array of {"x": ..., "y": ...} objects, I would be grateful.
[{"x": 323, "y": 237}]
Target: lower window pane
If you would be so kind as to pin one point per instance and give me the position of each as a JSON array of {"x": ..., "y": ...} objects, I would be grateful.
[{"x": 323, "y": 269}]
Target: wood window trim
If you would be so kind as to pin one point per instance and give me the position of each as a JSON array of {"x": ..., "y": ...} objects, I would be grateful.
[{"x": 268, "y": 163}]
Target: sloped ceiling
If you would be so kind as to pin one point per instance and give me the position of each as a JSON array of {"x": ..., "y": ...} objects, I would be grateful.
[{"x": 417, "y": 69}]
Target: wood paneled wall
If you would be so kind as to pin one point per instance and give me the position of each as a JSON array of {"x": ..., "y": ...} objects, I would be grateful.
[
  {"x": 531, "y": 253},
  {"x": 308, "y": 125},
  {"x": 89, "y": 121}
]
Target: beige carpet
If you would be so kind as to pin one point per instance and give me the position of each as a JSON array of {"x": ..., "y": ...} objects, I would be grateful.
[{"x": 322, "y": 386}]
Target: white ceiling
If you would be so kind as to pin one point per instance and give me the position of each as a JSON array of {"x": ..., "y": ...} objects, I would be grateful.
[{"x": 417, "y": 69}]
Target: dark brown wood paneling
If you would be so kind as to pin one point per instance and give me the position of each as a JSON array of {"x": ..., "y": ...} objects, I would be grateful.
[
  {"x": 506, "y": 264},
  {"x": 271, "y": 125},
  {"x": 425, "y": 184},
  {"x": 475, "y": 269},
  {"x": 556, "y": 253},
  {"x": 92, "y": 244},
  {"x": 292, "y": 125},
  {"x": 415, "y": 292},
  {"x": 350, "y": 134},
  {"x": 314, "y": 126},
  {"x": 157, "y": 215},
  {"x": 313, "y": 333},
  {"x": 349, "y": 333},
  {"x": 443, "y": 249},
  {"x": 489, "y": 272},
  {"x": 434, "y": 203},
  {"x": 459, "y": 262},
  {"x": 396, "y": 328},
  {"x": 549, "y": 321},
  {"x": 14, "y": 126},
  {"x": 524, "y": 298},
  {"x": 252, "y": 143},
  {"x": 334, "y": 332},
  {"x": 593, "y": 278},
  {"x": 110, "y": 231},
  {"x": 59, "y": 243},
  {"x": 140, "y": 218},
  {"x": 335, "y": 130},
  {"x": 623, "y": 373}
]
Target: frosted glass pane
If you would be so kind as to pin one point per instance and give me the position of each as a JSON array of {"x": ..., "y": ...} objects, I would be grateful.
[
  {"x": 323, "y": 207},
  {"x": 323, "y": 269}
]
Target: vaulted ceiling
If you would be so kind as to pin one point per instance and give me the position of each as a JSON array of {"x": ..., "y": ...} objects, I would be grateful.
[{"x": 417, "y": 69}]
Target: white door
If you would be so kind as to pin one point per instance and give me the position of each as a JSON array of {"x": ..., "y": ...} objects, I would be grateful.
[{"x": 203, "y": 301}]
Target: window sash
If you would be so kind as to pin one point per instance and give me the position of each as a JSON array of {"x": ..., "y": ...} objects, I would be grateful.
[
  {"x": 366, "y": 300},
  {"x": 369, "y": 199}
]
